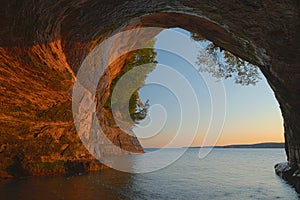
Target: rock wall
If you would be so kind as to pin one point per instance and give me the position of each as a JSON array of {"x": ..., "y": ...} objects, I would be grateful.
[
  {"x": 38, "y": 135},
  {"x": 43, "y": 43}
]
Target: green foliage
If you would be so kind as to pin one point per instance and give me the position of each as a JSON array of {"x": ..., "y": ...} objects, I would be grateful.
[
  {"x": 141, "y": 110},
  {"x": 223, "y": 64},
  {"x": 197, "y": 37},
  {"x": 137, "y": 78}
]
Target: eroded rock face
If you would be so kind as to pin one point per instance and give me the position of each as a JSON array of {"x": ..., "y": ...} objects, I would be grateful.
[{"x": 42, "y": 45}]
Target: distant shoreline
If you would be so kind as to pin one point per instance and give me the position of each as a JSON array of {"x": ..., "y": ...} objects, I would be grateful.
[
  {"x": 258, "y": 145},
  {"x": 270, "y": 145}
]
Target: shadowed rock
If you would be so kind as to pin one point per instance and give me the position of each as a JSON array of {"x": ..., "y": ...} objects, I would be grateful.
[{"x": 42, "y": 45}]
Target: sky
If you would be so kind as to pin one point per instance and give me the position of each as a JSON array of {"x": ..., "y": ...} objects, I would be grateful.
[{"x": 189, "y": 108}]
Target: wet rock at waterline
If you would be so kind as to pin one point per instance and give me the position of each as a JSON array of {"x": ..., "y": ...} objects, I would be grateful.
[{"x": 42, "y": 46}]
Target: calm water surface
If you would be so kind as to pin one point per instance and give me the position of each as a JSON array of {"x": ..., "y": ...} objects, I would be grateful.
[{"x": 224, "y": 174}]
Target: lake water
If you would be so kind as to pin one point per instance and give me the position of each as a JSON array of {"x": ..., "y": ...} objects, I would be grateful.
[{"x": 223, "y": 174}]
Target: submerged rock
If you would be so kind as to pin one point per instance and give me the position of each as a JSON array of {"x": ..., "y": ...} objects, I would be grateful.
[{"x": 289, "y": 174}]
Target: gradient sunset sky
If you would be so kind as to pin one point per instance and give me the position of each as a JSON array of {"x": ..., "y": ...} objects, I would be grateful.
[{"x": 252, "y": 112}]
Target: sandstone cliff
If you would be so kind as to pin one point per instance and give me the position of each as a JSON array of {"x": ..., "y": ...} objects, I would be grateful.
[
  {"x": 42, "y": 44},
  {"x": 38, "y": 136}
]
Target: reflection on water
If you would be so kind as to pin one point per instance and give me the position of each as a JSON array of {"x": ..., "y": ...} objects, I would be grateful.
[
  {"x": 104, "y": 185},
  {"x": 224, "y": 174}
]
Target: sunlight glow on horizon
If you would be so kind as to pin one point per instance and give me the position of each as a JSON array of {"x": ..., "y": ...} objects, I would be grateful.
[{"x": 253, "y": 114}]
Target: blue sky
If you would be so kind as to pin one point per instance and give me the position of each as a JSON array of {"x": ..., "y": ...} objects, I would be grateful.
[{"x": 252, "y": 112}]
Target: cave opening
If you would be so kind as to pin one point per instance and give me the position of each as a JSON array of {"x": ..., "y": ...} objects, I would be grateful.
[
  {"x": 249, "y": 100},
  {"x": 138, "y": 97},
  {"x": 252, "y": 111},
  {"x": 44, "y": 46}
]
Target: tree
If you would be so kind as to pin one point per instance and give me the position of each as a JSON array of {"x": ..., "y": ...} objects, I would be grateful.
[
  {"x": 223, "y": 64},
  {"x": 137, "y": 109}
]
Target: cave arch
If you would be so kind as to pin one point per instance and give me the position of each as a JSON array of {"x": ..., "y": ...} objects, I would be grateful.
[
  {"x": 46, "y": 39},
  {"x": 247, "y": 49}
]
